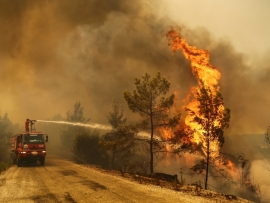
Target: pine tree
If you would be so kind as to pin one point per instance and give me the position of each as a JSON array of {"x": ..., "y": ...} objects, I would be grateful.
[
  {"x": 213, "y": 119},
  {"x": 150, "y": 102},
  {"x": 119, "y": 141}
]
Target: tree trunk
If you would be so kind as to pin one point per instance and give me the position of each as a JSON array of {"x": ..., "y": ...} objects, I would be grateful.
[
  {"x": 207, "y": 161},
  {"x": 113, "y": 156},
  {"x": 151, "y": 142},
  {"x": 151, "y": 155}
]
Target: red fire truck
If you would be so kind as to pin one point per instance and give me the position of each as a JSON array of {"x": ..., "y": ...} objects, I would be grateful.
[{"x": 28, "y": 146}]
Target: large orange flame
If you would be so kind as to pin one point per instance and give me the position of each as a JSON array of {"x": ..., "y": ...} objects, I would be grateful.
[
  {"x": 203, "y": 71},
  {"x": 199, "y": 59}
]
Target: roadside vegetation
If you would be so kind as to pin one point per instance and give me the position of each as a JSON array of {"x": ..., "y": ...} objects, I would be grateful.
[
  {"x": 123, "y": 148},
  {"x": 150, "y": 101},
  {"x": 7, "y": 128},
  {"x": 138, "y": 147}
]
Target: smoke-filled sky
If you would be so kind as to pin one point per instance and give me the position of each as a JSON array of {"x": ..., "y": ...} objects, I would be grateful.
[
  {"x": 54, "y": 53},
  {"x": 245, "y": 24}
]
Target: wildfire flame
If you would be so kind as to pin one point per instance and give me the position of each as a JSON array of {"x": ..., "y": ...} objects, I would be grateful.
[{"x": 203, "y": 71}]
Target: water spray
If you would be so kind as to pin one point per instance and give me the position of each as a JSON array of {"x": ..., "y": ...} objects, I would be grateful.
[{"x": 93, "y": 125}]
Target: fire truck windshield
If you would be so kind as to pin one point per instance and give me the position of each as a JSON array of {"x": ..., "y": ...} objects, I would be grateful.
[{"x": 33, "y": 138}]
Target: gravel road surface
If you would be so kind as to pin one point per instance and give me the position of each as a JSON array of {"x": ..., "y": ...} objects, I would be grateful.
[{"x": 64, "y": 181}]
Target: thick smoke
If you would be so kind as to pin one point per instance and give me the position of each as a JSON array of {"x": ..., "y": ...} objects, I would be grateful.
[{"x": 54, "y": 53}]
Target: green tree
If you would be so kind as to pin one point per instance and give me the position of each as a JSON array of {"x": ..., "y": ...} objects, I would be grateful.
[
  {"x": 4, "y": 122},
  {"x": 86, "y": 148},
  {"x": 267, "y": 140},
  {"x": 7, "y": 128},
  {"x": 267, "y": 135},
  {"x": 116, "y": 116},
  {"x": 4, "y": 137},
  {"x": 150, "y": 102},
  {"x": 77, "y": 115},
  {"x": 68, "y": 132},
  {"x": 212, "y": 118},
  {"x": 119, "y": 141},
  {"x": 53, "y": 130}
]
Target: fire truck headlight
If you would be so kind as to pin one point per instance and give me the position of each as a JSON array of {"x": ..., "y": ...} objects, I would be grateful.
[
  {"x": 23, "y": 152},
  {"x": 43, "y": 151}
]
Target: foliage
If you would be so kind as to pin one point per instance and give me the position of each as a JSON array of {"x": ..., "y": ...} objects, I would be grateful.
[
  {"x": 267, "y": 135},
  {"x": 267, "y": 140},
  {"x": 6, "y": 130},
  {"x": 116, "y": 116},
  {"x": 55, "y": 145},
  {"x": 121, "y": 144},
  {"x": 86, "y": 148},
  {"x": 119, "y": 141},
  {"x": 150, "y": 102},
  {"x": 182, "y": 140},
  {"x": 77, "y": 115},
  {"x": 4, "y": 123},
  {"x": 68, "y": 132},
  {"x": 246, "y": 183},
  {"x": 213, "y": 119}
]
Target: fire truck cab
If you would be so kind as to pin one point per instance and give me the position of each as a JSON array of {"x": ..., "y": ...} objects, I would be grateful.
[{"x": 28, "y": 146}]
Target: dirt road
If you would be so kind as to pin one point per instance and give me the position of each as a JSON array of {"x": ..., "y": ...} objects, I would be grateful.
[{"x": 64, "y": 181}]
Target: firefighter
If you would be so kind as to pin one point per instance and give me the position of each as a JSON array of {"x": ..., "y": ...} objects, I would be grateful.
[{"x": 27, "y": 125}]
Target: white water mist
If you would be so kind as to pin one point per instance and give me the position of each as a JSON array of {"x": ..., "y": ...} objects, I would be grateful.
[{"x": 93, "y": 125}]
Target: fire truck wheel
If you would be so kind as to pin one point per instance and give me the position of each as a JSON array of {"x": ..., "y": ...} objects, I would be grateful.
[
  {"x": 42, "y": 161},
  {"x": 19, "y": 163}
]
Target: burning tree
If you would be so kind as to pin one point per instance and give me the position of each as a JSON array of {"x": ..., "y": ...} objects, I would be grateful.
[
  {"x": 207, "y": 117},
  {"x": 149, "y": 101},
  {"x": 119, "y": 141},
  {"x": 212, "y": 119}
]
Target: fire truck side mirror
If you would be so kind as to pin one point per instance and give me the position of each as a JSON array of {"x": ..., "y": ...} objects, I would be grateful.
[{"x": 46, "y": 138}]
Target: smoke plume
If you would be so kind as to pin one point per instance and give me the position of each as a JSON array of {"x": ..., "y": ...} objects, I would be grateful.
[{"x": 54, "y": 53}]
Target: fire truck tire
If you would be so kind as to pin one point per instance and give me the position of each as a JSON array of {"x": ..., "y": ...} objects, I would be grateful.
[
  {"x": 42, "y": 161},
  {"x": 19, "y": 162}
]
